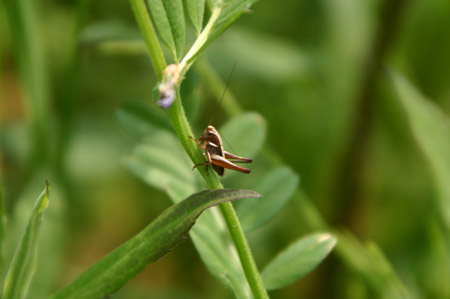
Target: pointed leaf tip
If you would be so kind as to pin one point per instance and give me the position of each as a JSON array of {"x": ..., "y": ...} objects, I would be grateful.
[{"x": 23, "y": 264}]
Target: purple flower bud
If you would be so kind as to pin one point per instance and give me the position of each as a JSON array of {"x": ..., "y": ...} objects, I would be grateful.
[
  {"x": 167, "y": 98},
  {"x": 167, "y": 86}
]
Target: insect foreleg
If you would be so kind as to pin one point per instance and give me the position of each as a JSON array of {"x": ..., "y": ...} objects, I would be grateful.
[
  {"x": 207, "y": 164},
  {"x": 198, "y": 142}
]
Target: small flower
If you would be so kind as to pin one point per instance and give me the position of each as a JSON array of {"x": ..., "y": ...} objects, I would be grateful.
[
  {"x": 167, "y": 96},
  {"x": 167, "y": 86}
]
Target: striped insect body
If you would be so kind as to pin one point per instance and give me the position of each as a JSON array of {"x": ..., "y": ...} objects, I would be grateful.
[{"x": 216, "y": 156}]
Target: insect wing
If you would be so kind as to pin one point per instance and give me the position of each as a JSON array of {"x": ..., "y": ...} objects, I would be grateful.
[{"x": 216, "y": 150}]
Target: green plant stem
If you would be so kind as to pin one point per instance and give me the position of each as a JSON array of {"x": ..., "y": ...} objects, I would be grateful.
[
  {"x": 185, "y": 134},
  {"x": 201, "y": 40},
  {"x": 2, "y": 226},
  {"x": 352, "y": 173},
  {"x": 149, "y": 34},
  {"x": 30, "y": 57},
  {"x": 244, "y": 252}
]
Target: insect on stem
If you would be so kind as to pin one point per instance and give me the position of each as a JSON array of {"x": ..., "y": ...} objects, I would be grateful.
[{"x": 211, "y": 142}]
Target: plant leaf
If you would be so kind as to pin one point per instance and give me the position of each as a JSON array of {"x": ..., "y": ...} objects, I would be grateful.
[
  {"x": 288, "y": 65},
  {"x": 277, "y": 188},
  {"x": 109, "y": 30},
  {"x": 164, "y": 233},
  {"x": 2, "y": 229},
  {"x": 245, "y": 133},
  {"x": 232, "y": 9},
  {"x": 140, "y": 120},
  {"x": 369, "y": 262},
  {"x": 196, "y": 10},
  {"x": 214, "y": 245},
  {"x": 297, "y": 260},
  {"x": 168, "y": 17},
  {"x": 431, "y": 129},
  {"x": 161, "y": 160},
  {"x": 23, "y": 263}
]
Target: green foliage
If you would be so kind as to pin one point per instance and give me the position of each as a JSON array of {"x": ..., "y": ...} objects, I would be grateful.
[
  {"x": 23, "y": 22},
  {"x": 215, "y": 247},
  {"x": 310, "y": 69},
  {"x": 232, "y": 9},
  {"x": 23, "y": 264},
  {"x": 168, "y": 17},
  {"x": 159, "y": 159},
  {"x": 158, "y": 238},
  {"x": 431, "y": 129},
  {"x": 297, "y": 260},
  {"x": 237, "y": 132},
  {"x": 196, "y": 10},
  {"x": 277, "y": 187},
  {"x": 369, "y": 262},
  {"x": 2, "y": 228},
  {"x": 160, "y": 162},
  {"x": 134, "y": 118}
]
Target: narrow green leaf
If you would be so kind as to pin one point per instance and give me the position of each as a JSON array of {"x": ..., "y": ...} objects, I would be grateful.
[
  {"x": 370, "y": 263},
  {"x": 164, "y": 233},
  {"x": 297, "y": 260},
  {"x": 2, "y": 229},
  {"x": 109, "y": 30},
  {"x": 277, "y": 188},
  {"x": 140, "y": 120},
  {"x": 174, "y": 9},
  {"x": 244, "y": 134},
  {"x": 196, "y": 10},
  {"x": 214, "y": 245},
  {"x": 168, "y": 17},
  {"x": 28, "y": 42},
  {"x": 122, "y": 47},
  {"x": 161, "y": 21},
  {"x": 23, "y": 264},
  {"x": 431, "y": 129}
]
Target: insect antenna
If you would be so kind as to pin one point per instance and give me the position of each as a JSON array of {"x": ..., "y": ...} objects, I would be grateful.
[
  {"x": 223, "y": 94},
  {"x": 228, "y": 143}
]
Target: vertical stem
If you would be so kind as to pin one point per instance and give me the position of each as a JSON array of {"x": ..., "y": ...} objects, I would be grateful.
[
  {"x": 149, "y": 34},
  {"x": 351, "y": 174},
  {"x": 30, "y": 58},
  {"x": 2, "y": 204},
  {"x": 244, "y": 252},
  {"x": 201, "y": 40},
  {"x": 2, "y": 226},
  {"x": 184, "y": 133}
]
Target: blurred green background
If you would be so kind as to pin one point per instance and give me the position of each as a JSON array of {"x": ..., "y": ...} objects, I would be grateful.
[{"x": 317, "y": 71}]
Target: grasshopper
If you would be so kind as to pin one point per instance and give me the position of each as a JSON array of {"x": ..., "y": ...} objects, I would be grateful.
[
  {"x": 216, "y": 156},
  {"x": 211, "y": 142}
]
